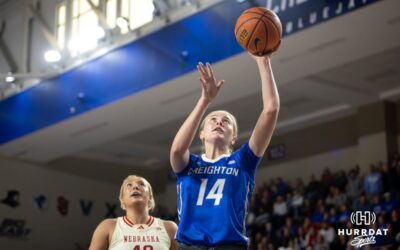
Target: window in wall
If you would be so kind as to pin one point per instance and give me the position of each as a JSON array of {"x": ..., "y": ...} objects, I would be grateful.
[
  {"x": 111, "y": 12},
  {"x": 60, "y": 26},
  {"x": 85, "y": 27},
  {"x": 138, "y": 12}
]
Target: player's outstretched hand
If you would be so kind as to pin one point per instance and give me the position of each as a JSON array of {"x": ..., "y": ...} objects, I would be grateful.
[{"x": 209, "y": 84}]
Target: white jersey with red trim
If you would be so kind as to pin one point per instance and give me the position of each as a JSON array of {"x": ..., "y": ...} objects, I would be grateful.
[{"x": 149, "y": 236}]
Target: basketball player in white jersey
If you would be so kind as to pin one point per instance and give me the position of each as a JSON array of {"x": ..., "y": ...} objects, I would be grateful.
[{"x": 137, "y": 230}]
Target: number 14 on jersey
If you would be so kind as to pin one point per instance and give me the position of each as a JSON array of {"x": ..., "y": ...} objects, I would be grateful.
[{"x": 215, "y": 192}]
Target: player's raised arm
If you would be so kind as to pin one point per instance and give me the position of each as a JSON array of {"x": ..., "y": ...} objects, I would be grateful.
[
  {"x": 179, "y": 154},
  {"x": 266, "y": 122}
]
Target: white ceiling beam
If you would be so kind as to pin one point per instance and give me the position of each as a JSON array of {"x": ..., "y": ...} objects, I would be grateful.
[
  {"x": 101, "y": 16},
  {"x": 51, "y": 38},
  {"x": 6, "y": 51}
]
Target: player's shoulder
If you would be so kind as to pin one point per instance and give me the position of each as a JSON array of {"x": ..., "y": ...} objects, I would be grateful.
[
  {"x": 108, "y": 224},
  {"x": 169, "y": 225},
  {"x": 243, "y": 150},
  {"x": 106, "y": 227},
  {"x": 194, "y": 157}
]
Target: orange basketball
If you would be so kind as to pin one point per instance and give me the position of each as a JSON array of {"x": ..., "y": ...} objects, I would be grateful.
[{"x": 259, "y": 31}]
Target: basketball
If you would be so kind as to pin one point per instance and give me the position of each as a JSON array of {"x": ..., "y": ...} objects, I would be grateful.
[{"x": 259, "y": 31}]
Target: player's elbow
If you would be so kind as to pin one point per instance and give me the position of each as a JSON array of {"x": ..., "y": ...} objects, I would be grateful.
[
  {"x": 271, "y": 109},
  {"x": 269, "y": 114}
]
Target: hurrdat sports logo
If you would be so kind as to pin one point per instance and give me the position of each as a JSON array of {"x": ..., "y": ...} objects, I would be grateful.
[{"x": 362, "y": 235}]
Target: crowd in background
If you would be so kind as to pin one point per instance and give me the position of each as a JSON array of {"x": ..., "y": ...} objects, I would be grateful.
[{"x": 308, "y": 215}]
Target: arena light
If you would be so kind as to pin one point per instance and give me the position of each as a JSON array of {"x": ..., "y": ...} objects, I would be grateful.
[
  {"x": 10, "y": 77},
  {"x": 52, "y": 56},
  {"x": 83, "y": 44}
]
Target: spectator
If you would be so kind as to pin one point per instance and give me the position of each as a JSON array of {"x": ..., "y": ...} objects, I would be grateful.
[
  {"x": 302, "y": 239},
  {"x": 390, "y": 238},
  {"x": 330, "y": 199},
  {"x": 328, "y": 233},
  {"x": 293, "y": 228},
  {"x": 379, "y": 239},
  {"x": 333, "y": 216},
  {"x": 340, "y": 180},
  {"x": 280, "y": 207},
  {"x": 395, "y": 221},
  {"x": 269, "y": 232},
  {"x": 284, "y": 238},
  {"x": 389, "y": 204},
  {"x": 300, "y": 188},
  {"x": 373, "y": 183},
  {"x": 262, "y": 244},
  {"x": 296, "y": 203},
  {"x": 282, "y": 187},
  {"x": 320, "y": 243},
  {"x": 377, "y": 205},
  {"x": 362, "y": 204},
  {"x": 313, "y": 188},
  {"x": 389, "y": 179},
  {"x": 341, "y": 243},
  {"x": 326, "y": 177},
  {"x": 307, "y": 225},
  {"x": 326, "y": 181},
  {"x": 318, "y": 216},
  {"x": 344, "y": 215},
  {"x": 395, "y": 160},
  {"x": 339, "y": 198},
  {"x": 261, "y": 218},
  {"x": 312, "y": 237},
  {"x": 280, "y": 210},
  {"x": 306, "y": 209},
  {"x": 354, "y": 185}
]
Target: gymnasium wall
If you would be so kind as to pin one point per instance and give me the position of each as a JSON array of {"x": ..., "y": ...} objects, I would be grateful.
[
  {"x": 361, "y": 138},
  {"x": 303, "y": 168},
  {"x": 86, "y": 168},
  {"x": 317, "y": 139},
  {"x": 45, "y": 209}
]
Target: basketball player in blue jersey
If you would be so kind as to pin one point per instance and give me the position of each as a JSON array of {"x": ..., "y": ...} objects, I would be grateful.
[
  {"x": 214, "y": 189},
  {"x": 137, "y": 230}
]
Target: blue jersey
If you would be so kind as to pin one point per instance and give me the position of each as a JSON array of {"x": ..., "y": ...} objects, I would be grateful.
[{"x": 213, "y": 197}]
